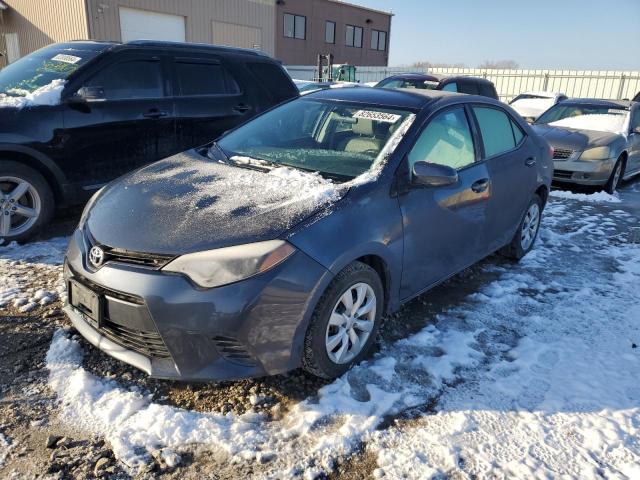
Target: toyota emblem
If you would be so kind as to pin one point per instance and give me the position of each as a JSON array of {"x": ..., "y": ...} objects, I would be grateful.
[{"x": 96, "y": 256}]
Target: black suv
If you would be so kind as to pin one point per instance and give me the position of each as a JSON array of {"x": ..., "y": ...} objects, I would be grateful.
[
  {"x": 74, "y": 116},
  {"x": 426, "y": 81}
]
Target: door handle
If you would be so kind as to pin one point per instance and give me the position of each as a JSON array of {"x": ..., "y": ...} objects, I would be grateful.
[
  {"x": 155, "y": 114},
  {"x": 530, "y": 162},
  {"x": 241, "y": 108},
  {"x": 480, "y": 186}
]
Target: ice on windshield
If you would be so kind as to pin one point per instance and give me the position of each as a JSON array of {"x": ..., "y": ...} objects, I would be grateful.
[{"x": 602, "y": 122}]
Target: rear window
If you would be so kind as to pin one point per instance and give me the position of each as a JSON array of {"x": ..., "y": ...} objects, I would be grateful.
[
  {"x": 198, "y": 78},
  {"x": 274, "y": 79}
]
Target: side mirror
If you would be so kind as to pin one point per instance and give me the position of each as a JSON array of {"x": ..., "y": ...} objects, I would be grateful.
[
  {"x": 90, "y": 93},
  {"x": 636, "y": 130},
  {"x": 433, "y": 175}
]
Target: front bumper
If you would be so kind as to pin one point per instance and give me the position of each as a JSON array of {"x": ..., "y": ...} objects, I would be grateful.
[
  {"x": 164, "y": 325},
  {"x": 583, "y": 172}
]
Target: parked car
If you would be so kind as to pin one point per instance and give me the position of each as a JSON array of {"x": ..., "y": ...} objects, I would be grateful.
[
  {"x": 74, "y": 116},
  {"x": 460, "y": 84},
  {"x": 284, "y": 243},
  {"x": 596, "y": 142},
  {"x": 532, "y": 104}
]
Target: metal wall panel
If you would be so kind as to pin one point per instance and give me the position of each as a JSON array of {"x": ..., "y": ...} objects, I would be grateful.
[
  {"x": 38, "y": 23},
  {"x": 200, "y": 15}
]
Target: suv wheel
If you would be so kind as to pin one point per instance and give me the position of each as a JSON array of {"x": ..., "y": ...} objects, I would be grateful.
[
  {"x": 527, "y": 232},
  {"x": 345, "y": 323},
  {"x": 26, "y": 202}
]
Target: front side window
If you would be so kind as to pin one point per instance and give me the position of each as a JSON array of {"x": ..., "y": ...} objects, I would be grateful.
[
  {"x": 204, "y": 79},
  {"x": 378, "y": 40},
  {"x": 129, "y": 80},
  {"x": 450, "y": 87},
  {"x": 603, "y": 118},
  {"x": 497, "y": 130},
  {"x": 330, "y": 32},
  {"x": 295, "y": 26},
  {"x": 40, "y": 68},
  {"x": 353, "y": 36},
  {"x": 336, "y": 139},
  {"x": 446, "y": 140}
]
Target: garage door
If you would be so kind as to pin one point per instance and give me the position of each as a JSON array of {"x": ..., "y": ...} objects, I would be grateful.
[
  {"x": 236, "y": 35},
  {"x": 146, "y": 25}
]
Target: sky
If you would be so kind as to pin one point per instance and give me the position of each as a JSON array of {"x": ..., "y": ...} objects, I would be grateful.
[{"x": 558, "y": 34}]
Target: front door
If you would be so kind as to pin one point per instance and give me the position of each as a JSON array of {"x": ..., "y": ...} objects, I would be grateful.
[
  {"x": 121, "y": 126},
  {"x": 511, "y": 158},
  {"x": 444, "y": 227}
]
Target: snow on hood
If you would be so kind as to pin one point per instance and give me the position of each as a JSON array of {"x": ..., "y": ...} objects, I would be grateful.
[
  {"x": 188, "y": 203},
  {"x": 613, "y": 123},
  {"x": 47, "y": 95}
]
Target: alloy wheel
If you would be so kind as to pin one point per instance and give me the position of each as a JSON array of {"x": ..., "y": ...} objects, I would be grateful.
[
  {"x": 20, "y": 206},
  {"x": 530, "y": 226},
  {"x": 616, "y": 176},
  {"x": 351, "y": 322}
]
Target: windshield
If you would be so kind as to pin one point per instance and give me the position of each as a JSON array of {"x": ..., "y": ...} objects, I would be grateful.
[
  {"x": 333, "y": 138},
  {"x": 41, "y": 68},
  {"x": 586, "y": 117}
]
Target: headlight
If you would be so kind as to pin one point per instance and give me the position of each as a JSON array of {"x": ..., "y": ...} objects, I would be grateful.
[
  {"x": 222, "y": 266},
  {"x": 597, "y": 153},
  {"x": 87, "y": 207}
]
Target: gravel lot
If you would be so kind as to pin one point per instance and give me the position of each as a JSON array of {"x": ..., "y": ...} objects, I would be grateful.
[{"x": 446, "y": 389}]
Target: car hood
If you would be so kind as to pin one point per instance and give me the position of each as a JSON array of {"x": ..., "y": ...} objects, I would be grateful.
[
  {"x": 189, "y": 203},
  {"x": 572, "y": 139}
]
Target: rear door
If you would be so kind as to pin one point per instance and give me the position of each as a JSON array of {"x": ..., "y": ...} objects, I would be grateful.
[
  {"x": 120, "y": 128},
  {"x": 444, "y": 227},
  {"x": 209, "y": 99},
  {"x": 511, "y": 159}
]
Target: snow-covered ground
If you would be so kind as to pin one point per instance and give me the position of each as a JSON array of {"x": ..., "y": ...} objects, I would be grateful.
[{"x": 535, "y": 374}]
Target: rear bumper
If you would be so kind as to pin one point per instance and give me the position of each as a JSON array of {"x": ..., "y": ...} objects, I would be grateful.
[
  {"x": 251, "y": 328},
  {"x": 583, "y": 172}
]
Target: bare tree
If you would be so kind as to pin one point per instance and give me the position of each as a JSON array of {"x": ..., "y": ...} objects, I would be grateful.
[
  {"x": 501, "y": 64},
  {"x": 423, "y": 65}
]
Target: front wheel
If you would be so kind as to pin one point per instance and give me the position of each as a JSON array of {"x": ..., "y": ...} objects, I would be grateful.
[
  {"x": 615, "y": 177},
  {"x": 345, "y": 322},
  {"x": 527, "y": 232}
]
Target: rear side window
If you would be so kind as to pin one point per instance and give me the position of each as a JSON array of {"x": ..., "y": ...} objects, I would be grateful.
[
  {"x": 204, "y": 79},
  {"x": 273, "y": 79},
  {"x": 130, "y": 80},
  {"x": 499, "y": 133},
  {"x": 450, "y": 87}
]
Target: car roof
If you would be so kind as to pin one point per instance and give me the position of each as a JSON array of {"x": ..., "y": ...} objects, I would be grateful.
[
  {"x": 414, "y": 76},
  {"x": 598, "y": 102},
  {"x": 409, "y": 98},
  {"x": 541, "y": 93}
]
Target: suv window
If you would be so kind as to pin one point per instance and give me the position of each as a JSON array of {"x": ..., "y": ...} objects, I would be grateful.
[
  {"x": 488, "y": 90},
  {"x": 450, "y": 87},
  {"x": 469, "y": 87},
  {"x": 129, "y": 80},
  {"x": 446, "y": 140},
  {"x": 274, "y": 79},
  {"x": 499, "y": 134},
  {"x": 199, "y": 78}
]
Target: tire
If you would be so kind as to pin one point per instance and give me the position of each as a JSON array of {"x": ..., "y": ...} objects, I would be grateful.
[
  {"x": 518, "y": 247},
  {"x": 31, "y": 207},
  {"x": 616, "y": 176},
  {"x": 316, "y": 359}
]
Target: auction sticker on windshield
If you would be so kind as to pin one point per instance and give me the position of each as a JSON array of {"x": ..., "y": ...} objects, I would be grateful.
[
  {"x": 66, "y": 58},
  {"x": 377, "y": 116}
]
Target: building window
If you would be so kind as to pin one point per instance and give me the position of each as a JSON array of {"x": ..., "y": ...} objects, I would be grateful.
[
  {"x": 330, "y": 32},
  {"x": 354, "y": 36},
  {"x": 295, "y": 26},
  {"x": 378, "y": 40}
]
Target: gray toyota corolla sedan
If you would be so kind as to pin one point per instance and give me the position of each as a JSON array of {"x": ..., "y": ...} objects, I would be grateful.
[
  {"x": 596, "y": 142},
  {"x": 285, "y": 243}
]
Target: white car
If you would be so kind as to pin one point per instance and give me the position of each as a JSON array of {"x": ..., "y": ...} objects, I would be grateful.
[{"x": 530, "y": 105}]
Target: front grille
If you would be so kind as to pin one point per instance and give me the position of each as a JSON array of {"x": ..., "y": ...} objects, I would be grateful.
[
  {"x": 562, "y": 174},
  {"x": 561, "y": 153},
  {"x": 149, "y": 344},
  {"x": 233, "y": 350}
]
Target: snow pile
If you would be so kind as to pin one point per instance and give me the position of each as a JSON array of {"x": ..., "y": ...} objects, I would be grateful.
[
  {"x": 601, "y": 122},
  {"x": 5, "y": 447},
  {"x": 46, "y": 95},
  {"x": 597, "y": 197},
  {"x": 21, "y": 264}
]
